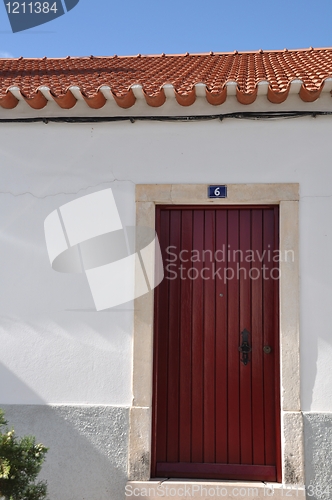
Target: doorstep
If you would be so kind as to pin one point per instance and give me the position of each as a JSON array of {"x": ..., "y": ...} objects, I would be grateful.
[{"x": 210, "y": 490}]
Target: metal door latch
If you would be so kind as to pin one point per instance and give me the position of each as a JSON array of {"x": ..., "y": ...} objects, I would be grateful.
[{"x": 245, "y": 347}]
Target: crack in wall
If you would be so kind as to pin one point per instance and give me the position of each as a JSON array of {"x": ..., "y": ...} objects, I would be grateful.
[{"x": 24, "y": 193}]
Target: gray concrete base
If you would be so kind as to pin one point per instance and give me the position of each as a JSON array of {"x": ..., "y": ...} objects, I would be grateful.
[
  {"x": 210, "y": 490},
  {"x": 87, "y": 457},
  {"x": 318, "y": 455}
]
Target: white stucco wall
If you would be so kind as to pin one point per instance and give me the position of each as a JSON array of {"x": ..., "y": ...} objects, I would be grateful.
[{"x": 54, "y": 347}]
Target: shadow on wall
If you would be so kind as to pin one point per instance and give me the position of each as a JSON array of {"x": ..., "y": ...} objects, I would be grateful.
[
  {"x": 87, "y": 457},
  {"x": 13, "y": 386}
]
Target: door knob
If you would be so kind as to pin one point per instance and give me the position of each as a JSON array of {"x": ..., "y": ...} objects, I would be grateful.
[{"x": 245, "y": 347}]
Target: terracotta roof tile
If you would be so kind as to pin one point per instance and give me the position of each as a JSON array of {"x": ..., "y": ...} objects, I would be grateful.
[{"x": 119, "y": 74}]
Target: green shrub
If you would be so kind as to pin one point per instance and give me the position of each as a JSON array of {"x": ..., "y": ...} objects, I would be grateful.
[{"x": 20, "y": 463}]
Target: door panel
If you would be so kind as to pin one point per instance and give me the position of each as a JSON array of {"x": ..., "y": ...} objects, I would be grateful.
[
  {"x": 213, "y": 416},
  {"x": 185, "y": 347}
]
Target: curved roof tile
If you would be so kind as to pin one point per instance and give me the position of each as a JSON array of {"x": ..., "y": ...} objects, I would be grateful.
[{"x": 101, "y": 78}]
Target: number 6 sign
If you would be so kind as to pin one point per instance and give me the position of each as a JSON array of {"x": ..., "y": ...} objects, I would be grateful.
[{"x": 217, "y": 191}]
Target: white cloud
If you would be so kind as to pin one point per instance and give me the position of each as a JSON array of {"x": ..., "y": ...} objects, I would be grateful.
[{"x": 5, "y": 55}]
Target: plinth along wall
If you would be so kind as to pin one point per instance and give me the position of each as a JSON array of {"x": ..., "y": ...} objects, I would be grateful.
[{"x": 67, "y": 370}]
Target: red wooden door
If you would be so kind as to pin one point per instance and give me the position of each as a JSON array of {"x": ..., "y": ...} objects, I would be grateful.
[{"x": 213, "y": 415}]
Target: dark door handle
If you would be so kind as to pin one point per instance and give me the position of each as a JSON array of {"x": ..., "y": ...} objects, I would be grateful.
[{"x": 245, "y": 347}]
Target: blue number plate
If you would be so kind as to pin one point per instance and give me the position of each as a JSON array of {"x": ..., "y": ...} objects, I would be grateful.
[{"x": 217, "y": 192}]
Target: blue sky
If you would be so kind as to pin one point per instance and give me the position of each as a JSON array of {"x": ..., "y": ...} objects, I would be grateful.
[{"x": 106, "y": 27}]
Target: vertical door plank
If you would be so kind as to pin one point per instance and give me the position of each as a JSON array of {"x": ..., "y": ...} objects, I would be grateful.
[
  {"x": 221, "y": 337},
  {"x": 257, "y": 340},
  {"x": 185, "y": 339},
  {"x": 162, "y": 295},
  {"x": 245, "y": 323},
  {"x": 268, "y": 305},
  {"x": 197, "y": 343},
  {"x": 209, "y": 337},
  {"x": 174, "y": 345},
  {"x": 233, "y": 340},
  {"x": 276, "y": 347}
]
